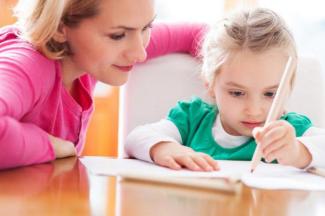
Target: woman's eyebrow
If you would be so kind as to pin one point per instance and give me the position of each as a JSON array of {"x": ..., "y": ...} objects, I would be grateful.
[{"x": 133, "y": 28}]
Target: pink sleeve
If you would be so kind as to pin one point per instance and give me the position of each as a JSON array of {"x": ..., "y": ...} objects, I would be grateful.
[
  {"x": 170, "y": 38},
  {"x": 21, "y": 143}
]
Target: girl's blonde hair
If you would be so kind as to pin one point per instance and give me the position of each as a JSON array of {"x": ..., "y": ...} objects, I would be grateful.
[
  {"x": 39, "y": 20},
  {"x": 256, "y": 30}
]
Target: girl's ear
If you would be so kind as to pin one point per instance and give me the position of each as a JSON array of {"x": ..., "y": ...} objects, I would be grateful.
[
  {"x": 211, "y": 93},
  {"x": 61, "y": 35},
  {"x": 209, "y": 90}
]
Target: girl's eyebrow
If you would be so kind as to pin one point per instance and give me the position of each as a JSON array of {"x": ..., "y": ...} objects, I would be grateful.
[
  {"x": 273, "y": 86},
  {"x": 233, "y": 84},
  {"x": 132, "y": 28}
]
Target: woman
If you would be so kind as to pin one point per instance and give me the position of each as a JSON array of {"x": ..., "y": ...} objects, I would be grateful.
[{"x": 50, "y": 62}]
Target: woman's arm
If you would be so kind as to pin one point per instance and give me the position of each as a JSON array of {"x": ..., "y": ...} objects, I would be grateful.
[
  {"x": 171, "y": 38},
  {"x": 22, "y": 81}
]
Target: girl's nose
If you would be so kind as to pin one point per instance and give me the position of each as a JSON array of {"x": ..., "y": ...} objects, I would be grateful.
[{"x": 254, "y": 107}]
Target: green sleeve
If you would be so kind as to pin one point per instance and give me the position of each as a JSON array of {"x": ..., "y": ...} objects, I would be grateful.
[{"x": 301, "y": 123}]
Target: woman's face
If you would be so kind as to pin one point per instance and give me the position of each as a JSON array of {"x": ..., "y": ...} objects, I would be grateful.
[{"x": 109, "y": 44}]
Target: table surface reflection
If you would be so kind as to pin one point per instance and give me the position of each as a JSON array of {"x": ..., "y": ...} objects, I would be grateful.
[{"x": 64, "y": 187}]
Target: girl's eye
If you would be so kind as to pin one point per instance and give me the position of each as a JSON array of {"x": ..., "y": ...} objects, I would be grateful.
[
  {"x": 117, "y": 36},
  {"x": 236, "y": 93},
  {"x": 269, "y": 94}
]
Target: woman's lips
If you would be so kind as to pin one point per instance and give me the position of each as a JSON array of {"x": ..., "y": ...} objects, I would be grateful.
[
  {"x": 124, "y": 68},
  {"x": 252, "y": 125}
]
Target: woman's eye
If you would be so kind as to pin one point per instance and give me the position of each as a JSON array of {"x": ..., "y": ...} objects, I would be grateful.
[
  {"x": 117, "y": 36},
  {"x": 269, "y": 94},
  {"x": 236, "y": 93},
  {"x": 147, "y": 27}
]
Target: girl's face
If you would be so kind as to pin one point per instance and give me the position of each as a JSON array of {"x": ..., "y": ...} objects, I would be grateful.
[
  {"x": 109, "y": 44},
  {"x": 245, "y": 87}
]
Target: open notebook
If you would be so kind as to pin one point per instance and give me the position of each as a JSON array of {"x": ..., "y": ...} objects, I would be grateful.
[{"x": 266, "y": 176}]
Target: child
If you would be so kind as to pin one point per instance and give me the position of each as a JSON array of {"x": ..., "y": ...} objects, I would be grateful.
[
  {"x": 51, "y": 61},
  {"x": 243, "y": 61}
]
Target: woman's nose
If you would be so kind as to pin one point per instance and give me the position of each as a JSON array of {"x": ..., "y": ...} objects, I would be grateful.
[{"x": 137, "y": 50}]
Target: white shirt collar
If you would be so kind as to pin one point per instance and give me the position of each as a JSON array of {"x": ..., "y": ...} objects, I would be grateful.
[{"x": 224, "y": 139}]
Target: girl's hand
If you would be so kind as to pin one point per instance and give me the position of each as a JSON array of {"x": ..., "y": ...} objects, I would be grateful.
[
  {"x": 175, "y": 156},
  {"x": 62, "y": 148},
  {"x": 278, "y": 142}
]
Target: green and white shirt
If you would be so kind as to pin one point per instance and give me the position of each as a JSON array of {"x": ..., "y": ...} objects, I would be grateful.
[
  {"x": 195, "y": 120},
  {"x": 195, "y": 124}
]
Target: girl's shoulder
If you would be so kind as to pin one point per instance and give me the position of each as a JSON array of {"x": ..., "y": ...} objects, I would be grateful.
[
  {"x": 196, "y": 107},
  {"x": 196, "y": 103},
  {"x": 300, "y": 122}
]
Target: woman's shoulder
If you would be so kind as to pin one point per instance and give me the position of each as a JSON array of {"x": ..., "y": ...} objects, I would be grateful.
[
  {"x": 22, "y": 55},
  {"x": 12, "y": 45}
]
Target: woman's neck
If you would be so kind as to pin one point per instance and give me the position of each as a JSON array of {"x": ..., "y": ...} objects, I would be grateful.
[{"x": 70, "y": 73}]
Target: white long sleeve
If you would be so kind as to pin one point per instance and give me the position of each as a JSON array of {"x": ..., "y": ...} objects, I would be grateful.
[
  {"x": 314, "y": 140},
  {"x": 142, "y": 138}
]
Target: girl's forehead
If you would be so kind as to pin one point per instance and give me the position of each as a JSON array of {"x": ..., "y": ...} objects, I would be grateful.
[
  {"x": 250, "y": 68},
  {"x": 272, "y": 61}
]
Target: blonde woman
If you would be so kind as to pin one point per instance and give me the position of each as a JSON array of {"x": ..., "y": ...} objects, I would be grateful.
[
  {"x": 243, "y": 60},
  {"x": 50, "y": 62}
]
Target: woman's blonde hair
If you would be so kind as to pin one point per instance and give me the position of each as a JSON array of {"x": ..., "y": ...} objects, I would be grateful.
[
  {"x": 256, "y": 30},
  {"x": 39, "y": 20}
]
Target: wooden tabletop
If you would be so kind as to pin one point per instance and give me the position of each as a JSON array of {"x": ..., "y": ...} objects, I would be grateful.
[{"x": 64, "y": 187}]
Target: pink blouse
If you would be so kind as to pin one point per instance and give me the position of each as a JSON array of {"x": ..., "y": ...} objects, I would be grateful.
[{"x": 34, "y": 102}]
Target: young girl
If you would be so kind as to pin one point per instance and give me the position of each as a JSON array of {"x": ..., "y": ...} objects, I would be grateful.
[
  {"x": 50, "y": 62},
  {"x": 243, "y": 61}
]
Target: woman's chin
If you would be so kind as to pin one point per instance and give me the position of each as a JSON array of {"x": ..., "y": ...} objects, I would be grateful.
[{"x": 115, "y": 82}]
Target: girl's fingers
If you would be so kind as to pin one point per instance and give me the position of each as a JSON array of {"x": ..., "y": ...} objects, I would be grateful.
[
  {"x": 199, "y": 160},
  {"x": 188, "y": 162},
  {"x": 262, "y": 131},
  {"x": 273, "y": 135},
  {"x": 257, "y": 133},
  {"x": 272, "y": 151},
  {"x": 170, "y": 163},
  {"x": 213, "y": 163}
]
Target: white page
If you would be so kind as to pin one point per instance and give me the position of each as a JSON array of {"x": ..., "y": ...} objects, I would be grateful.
[{"x": 266, "y": 176}]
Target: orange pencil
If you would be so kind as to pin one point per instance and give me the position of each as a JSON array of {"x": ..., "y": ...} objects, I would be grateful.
[{"x": 277, "y": 103}]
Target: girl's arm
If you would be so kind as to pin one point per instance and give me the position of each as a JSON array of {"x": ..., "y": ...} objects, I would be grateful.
[
  {"x": 161, "y": 143},
  {"x": 140, "y": 141},
  {"x": 314, "y": 140},
  {"x": 171, "y": 38}
]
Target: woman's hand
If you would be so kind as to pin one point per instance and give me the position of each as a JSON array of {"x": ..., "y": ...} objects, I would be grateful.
[
  {"x": 175, "y": 156},
  {"x": 62, "y": 148},
  {"x": 278, "y": 142}
]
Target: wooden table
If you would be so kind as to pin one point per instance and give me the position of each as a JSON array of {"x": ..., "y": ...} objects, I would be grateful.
[{"x": 64, "y": 187}]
